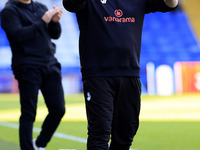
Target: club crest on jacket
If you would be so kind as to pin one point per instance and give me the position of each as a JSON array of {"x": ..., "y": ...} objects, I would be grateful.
[{"x": 103, "y": 1}]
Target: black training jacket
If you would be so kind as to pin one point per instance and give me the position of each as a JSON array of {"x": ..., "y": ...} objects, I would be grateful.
[
  {"x": 29, "y": 36},
  {"x": 110, "y": 34}
]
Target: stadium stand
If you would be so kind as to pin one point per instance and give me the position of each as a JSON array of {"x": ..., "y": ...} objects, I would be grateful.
[{"x": 167, "y": 38}]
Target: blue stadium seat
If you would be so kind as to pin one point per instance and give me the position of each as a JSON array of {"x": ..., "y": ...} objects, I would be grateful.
[{"x": 167, "y": 38}]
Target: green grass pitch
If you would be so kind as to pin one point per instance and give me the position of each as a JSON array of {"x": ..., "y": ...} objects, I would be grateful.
[{"x": 167, "y": 123}]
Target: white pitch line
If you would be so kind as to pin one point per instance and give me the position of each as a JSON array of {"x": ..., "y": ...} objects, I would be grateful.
[
  {"x": 56, "y": 134},
  {"x": 70, "y": 137},
  {"x": 10, "y": 125}
]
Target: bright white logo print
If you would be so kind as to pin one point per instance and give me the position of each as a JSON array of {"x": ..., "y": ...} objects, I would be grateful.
[
  {"x": 88, "y": 96},
  {"x": 103, "y": 1}
]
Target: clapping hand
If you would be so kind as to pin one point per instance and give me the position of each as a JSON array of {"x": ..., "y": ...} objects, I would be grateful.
[
  {"x": 53, "y": 14},
  {"x": 58, "y": 15}
]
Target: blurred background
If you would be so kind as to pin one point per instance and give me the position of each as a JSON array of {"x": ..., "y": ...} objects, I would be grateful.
[{"x": 170, "y": 56}]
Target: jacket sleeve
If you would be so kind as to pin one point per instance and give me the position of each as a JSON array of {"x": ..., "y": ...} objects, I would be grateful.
[
  {"x": 156, "y": 5},
  {"x": 54, "y": 29},
  {"x": 10, "y": 22},
  {"x": 74, "y": 5}
]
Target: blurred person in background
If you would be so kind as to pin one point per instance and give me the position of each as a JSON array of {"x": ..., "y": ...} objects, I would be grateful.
[
  {"x": 109, "y": 46},
  {"x": 30, "y": 27}
]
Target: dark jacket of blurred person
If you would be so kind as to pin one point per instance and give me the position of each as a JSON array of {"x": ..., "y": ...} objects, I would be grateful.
[
  {"x": 30, "y": 27},
  {"x": 29, "y": 36}
]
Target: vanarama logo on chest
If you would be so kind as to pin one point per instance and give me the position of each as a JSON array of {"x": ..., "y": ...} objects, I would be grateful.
[{"x": 118, "y": 17}]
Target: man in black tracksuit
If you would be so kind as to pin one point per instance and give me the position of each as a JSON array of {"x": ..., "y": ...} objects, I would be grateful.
[
  {"x": 29, "y": 27},
  {"x": 110, "y": 41}
]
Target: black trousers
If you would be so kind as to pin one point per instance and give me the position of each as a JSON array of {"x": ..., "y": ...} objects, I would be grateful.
[
  {"x": 30, "y": 80},
  {"x": 112, "y": 106}
]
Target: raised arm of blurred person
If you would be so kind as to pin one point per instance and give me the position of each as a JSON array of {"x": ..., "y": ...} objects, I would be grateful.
[
  {"x": 52, "y": 18},
  {"x": 15, "y": 30},
  {"x": 171, "y": 3}
]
